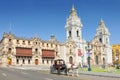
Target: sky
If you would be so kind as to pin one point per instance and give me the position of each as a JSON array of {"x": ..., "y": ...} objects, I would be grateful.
[{"x": 28, "y": 18}]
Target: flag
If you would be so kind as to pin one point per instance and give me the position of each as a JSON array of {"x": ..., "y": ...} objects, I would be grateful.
[{"x": 79, "y": 52}]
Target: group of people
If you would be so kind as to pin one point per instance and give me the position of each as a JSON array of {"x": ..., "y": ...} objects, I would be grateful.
[{"x": 59, "y": 64}]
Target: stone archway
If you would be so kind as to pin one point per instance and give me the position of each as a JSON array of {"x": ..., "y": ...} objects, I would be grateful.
[
  {"x": 71, "y": 60},
  {"x": 36, "y": 61},
  {"x": 96, "y": 60},
  {"x": 103, "y": 60}
]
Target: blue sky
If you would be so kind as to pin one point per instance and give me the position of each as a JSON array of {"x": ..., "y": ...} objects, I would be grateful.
[{"x": 27, "y": 18}]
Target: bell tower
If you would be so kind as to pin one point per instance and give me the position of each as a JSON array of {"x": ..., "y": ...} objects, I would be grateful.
[
  {"x": 103, "y": 36},
  {"x": 73, "y": 26},
  {"x": 102, "y": 33},
  {"x": 74, "y": 34}
]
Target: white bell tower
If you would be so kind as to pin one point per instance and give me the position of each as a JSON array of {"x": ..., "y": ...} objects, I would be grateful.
[
  {"x": 103, "y": 35},
  {"x": 74, "y": 34},
  {"x": 73, "y": 26}
]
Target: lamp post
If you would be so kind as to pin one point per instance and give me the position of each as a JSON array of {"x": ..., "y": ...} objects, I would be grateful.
[
  {"x": 89, "y": 48},
  {"x": 117, "y": 52}
]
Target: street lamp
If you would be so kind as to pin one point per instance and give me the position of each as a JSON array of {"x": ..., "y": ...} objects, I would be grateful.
[
  {"x": 117, "y": 52},
  {"x": 89, "y": 48}
]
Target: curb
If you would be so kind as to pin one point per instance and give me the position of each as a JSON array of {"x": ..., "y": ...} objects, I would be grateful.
[{"x": 111, "y": 75}]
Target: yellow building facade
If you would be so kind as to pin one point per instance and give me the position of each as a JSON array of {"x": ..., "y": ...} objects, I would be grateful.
[{"x": 116, "y": 53}]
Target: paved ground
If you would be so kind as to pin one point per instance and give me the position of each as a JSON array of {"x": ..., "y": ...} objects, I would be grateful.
[
  {"x": 42, "y": 67},
  {"x": 20, "y": 74},
  {"x": 111, "y": 75}
]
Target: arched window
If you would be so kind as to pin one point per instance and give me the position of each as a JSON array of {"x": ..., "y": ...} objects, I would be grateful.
[
  {"x": 70, "y": 33},
  {"x": 103, "y": 60},
  {"x": 9, "y": 50},
  {"x": 23, "y": 61},
  {"x": 36, "y": 43},
  {"x": 23, "y": 42},
  {"x": 36, "y": 50},
  {"x": 77, "y": 33},
  {"x": 100, "y": 40},
  {"x": 17, "y": 61},
  {"x": 10, "y": 40},
  {"x": 28, "y": 61}
]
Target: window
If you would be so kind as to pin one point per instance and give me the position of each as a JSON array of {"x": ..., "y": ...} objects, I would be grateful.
[
  {"x": 17, "y": 61},
  {"x": 23, "y": 61},
  {"x": 100, "y": 40},
  {"x": 17, "y": 42},
  {"x": 9, "y": 50},
  {"x": 43, "y": 44},
  {"x": 56, "y": 46},
  {"x": 43, "y": 61},
  {"x": 70, "y": 33},
  {"x": 36, "y": 50},
  {"x": 71, "y": 60},
  {"x": 51, "y": 45},
  {"x": 47, "y": 44},
  {"x": 28, "y": 42},
  {"x": 51, "y": 61},
  {"x": 47, "y": 61},
  {"x": 28, "y": 61},
  {"x": 36, "y": 42},
  {"x": 107, "y": 40},
  {"x": 77, "y": 33},
  {"x": 9, "y": 40},
  {"x": 23, "y": 42}
]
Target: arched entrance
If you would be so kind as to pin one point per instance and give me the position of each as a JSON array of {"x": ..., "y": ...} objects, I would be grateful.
[
  {"x": 9, "y": 61},
  {"x": 36, "y": 61},
  {"x": 97, "y": 60},
  {"x": 71, "y": 60}
]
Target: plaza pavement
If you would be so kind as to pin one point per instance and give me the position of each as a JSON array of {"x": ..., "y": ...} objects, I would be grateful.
[
  {"x": 42, "y": 67},
  {"x": 103, "y": 74}
]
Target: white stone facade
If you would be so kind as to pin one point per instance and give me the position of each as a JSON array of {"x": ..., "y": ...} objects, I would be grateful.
[{"x": 101, "y": 55}]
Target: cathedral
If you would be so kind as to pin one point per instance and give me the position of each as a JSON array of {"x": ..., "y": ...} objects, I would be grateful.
[{"x": 19, "y": 51}]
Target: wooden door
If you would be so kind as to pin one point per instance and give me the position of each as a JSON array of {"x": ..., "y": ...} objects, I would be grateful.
[{"x": 36, "y": 61}]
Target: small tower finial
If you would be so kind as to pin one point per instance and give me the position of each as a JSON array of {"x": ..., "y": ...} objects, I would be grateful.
[
  {"x": 73, "y": 8},
  {"x": 101, "y": 20},
  {"x": 73, "y": 11}
]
